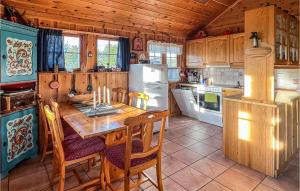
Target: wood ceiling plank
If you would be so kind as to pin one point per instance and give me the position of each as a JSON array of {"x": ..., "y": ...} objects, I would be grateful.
[{"x": 98, "y": 16}]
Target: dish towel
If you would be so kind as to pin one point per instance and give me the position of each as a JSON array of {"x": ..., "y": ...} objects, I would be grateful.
[{"x": 211, "y": 98}]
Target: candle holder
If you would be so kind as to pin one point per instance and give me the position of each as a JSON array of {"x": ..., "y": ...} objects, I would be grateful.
[{"x": 255, "y": 38}]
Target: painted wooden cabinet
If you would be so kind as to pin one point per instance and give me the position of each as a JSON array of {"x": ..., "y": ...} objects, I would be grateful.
[
  {"x": 18, "y": 52},
  {"x": 217, "y": 50},
  {"x": 237, "y": 50},
  {"x": 195, "y": 53},
  {"x": 19, "y": 137}
]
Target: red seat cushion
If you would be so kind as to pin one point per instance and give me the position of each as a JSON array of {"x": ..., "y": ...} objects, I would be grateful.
[
  {"x": 69, "y": 133},
  {"x": 78, "y": 148},
  {"x": 116, "y": 154}
]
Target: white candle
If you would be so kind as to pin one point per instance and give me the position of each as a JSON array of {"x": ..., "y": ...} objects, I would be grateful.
[
  {"x": 94, "y": 101},
  {"x": 104, "y": 96},
  {"x": 99, "y": 94},
  {"x": 108, "y": 96}
]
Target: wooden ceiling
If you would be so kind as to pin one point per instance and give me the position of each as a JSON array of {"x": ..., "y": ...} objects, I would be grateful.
[{"x": 174, "y": 17}]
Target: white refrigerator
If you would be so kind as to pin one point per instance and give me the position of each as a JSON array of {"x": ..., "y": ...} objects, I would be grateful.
[{"x": 151, "y": 79}]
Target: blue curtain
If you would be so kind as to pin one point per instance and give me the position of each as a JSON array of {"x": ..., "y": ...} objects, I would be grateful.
[
  {"x": 123, "y": 54},
  {"x": 50, "y": 50}
]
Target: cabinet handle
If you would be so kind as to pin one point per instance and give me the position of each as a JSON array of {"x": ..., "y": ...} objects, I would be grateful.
[
  {"x": 4, "y": 144},
  {"x": 4, "y": 56}
]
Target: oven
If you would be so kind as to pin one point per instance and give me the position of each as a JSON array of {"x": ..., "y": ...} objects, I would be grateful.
[{"x": 215, "y": 107}]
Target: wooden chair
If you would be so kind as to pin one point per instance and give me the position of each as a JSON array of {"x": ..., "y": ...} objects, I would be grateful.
[
  {"x": 45, "y": 131},
  {"x": 135, "y": 156},
  {"x": 70, "y": 152},
  {"x": 138, "y": 96},
  {"x": 119, "y": 95}
]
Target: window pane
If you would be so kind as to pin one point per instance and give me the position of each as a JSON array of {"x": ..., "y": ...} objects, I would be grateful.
[
  {"x": 72, "y": 61},
  {"x": 72, "y": 52},
  {"x": 71, "y": 44},
  {"x": 103, "y": 46},
  {"x": 102, "y": 60},
  {"x": 113, "y": 47},
  {"x": 113, "y": 60}
]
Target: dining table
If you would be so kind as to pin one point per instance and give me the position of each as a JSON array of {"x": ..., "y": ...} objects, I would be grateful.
[{"x": 109, "y": 126}]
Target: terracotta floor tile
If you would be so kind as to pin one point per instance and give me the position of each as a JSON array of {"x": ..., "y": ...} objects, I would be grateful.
[
  {"x": 248, "y": 172},
  {"x": 210, "y": 130},
  {"x": 172, "y": 135},
  {"x": 187, "y": 156},
  {"x": 214, "y": 186},
  {"x": 171, "y": 147},
  {"x": 197, "y": 136},
  {"x": 208, "y": 167},
  {"x": 184, "y": 141},
  {"x": 282, "y": 183},
  {"x": 237, "y": 181},
  {"x": 292, "y": 172},
  {"x": 218, "y": 136},
  {"x": 190, "y": 179},
  {"x": 202, "y": 149},
  {"x": 35, "y": 181},
  {"x": 219, "y": 157},
  {"x": 214, "y": 142},
  {"x": 295, "y": 161},
  {"x": 171, "y": 165},
  {"x": 169, "y": 185},
  {"x": 262, "y": 187}
]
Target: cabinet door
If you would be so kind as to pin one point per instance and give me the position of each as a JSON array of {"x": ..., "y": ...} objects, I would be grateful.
[
  {"x": 18, "y": 57},
  {"x": 217, "y": 50},
  {"x": 281, "y": 37},
  {"x": 237, "y": 50},
  {"x": 19, "y": 137},
  {"x": 195, "y": 53},
  {"x": 293, "y": 45}
]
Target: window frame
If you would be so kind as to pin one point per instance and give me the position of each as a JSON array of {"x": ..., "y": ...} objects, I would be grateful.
[
  {"x": 170, "y": 57},
  {"x": 80, "y": 48},
  {"x": 161, "y": 56},
  {"x": 109, "y": 40}
]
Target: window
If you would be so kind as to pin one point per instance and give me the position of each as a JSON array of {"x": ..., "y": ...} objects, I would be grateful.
[
  {"x": 155, "y": 57},
  {"x": 72, "y": 52},
  {"x": 107, "y": 53},
  {"x": 171, "y": 60}
]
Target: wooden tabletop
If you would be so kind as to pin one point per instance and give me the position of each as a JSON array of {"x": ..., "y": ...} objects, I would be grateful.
[{"x": 95, "y": 126}]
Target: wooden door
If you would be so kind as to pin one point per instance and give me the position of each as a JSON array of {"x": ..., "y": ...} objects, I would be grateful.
[
  {"x": 237, "y": 50},
  {"x": 217, "y": 50},
  {"x": 195, "y": 53}
]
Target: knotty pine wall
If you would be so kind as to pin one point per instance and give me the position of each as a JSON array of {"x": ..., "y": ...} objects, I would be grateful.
[{"x": 108, "y": 79}]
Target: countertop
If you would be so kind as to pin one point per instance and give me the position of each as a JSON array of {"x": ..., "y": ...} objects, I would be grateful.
[
  {"x": 281, "y": 97},
  {"x": 217, "y": 85}
]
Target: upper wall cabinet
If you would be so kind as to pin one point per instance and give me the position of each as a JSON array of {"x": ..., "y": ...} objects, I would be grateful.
[
  {"x": 217, "y": 50},
  {"x": 18, "y": 52},
  {"x": 195, "y": 53},
  {"x": 237, "y": 50}
]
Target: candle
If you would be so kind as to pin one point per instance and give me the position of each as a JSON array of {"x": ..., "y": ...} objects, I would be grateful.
[
  {"x": 94, "y": 101},
  {"x": 99, "y": 94},
  {"x": 104, "y": 96},
  {"x": 108, "y": 96}
]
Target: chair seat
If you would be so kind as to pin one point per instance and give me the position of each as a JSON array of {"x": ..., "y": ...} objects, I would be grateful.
[
  {"x": 69, "y": 133},
  {"x": 78, "y": 148},
  {"x": 116, "y": 154}
]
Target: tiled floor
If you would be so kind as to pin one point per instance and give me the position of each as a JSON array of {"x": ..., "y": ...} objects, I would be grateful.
[{"x": 192, "y": 160}]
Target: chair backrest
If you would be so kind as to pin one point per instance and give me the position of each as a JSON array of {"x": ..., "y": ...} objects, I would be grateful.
[
  {"x": 119, "y": 95},
  {"x": 140, "y": 99},
  {"x": 55, "y": 108},
  {"x": 43, "y": 118},
  {"x": 145, "y": 121},
  {"x": 56, "y": 138}
]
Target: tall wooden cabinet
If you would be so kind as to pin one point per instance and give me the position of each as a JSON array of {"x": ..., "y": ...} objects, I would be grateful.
[
  {"x": 195, "y": 53},
  {"x": 18, "y": 127},
  {"x": 217, "y": 50},
  {"x": 237, "y": 50}
]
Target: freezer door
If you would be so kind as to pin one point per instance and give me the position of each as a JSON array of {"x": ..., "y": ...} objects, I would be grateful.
[{"x": 155, "y": 73}]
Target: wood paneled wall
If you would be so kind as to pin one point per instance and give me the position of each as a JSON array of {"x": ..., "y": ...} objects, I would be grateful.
[
  {"x": 233, "y": 18},
  {"x": 109, "y": 79}
]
